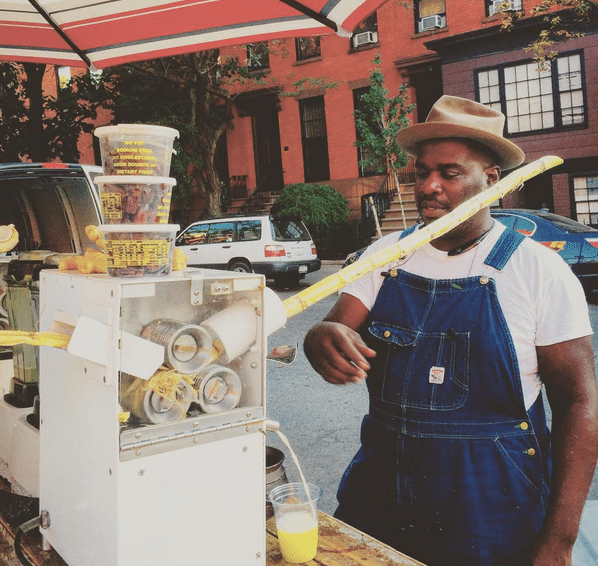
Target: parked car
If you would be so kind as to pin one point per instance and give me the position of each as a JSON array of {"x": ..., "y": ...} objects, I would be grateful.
[
  {"x": 576, "y": 243},
  {"x": 279, "y": 247},
  {"x": 49, "y": 204}
]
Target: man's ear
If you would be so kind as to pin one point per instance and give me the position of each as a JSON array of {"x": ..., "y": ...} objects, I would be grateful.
[{"x": 492, "y": 174}]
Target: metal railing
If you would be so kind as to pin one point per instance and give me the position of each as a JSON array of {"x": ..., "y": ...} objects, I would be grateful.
[
  {"x": 259, "y": 199},
  {"x": 375, "y": 205}
]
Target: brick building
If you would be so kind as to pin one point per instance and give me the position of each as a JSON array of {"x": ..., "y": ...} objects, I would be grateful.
[{"x": 438, "y": 47}]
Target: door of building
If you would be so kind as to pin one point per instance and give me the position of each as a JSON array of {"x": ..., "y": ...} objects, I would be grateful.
[
  {"x": 268, "y": 157},
  {"x": 315, "y": 140},
  {"x": 427, "y": 81}
]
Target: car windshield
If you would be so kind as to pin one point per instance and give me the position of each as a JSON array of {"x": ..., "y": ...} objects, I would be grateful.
[
  {"x": 566, "y": 223},
  {"x": 288, "y": 229},
  {"x": 45, "y": 210}
]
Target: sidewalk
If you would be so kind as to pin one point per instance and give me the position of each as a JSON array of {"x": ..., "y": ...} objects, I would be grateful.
[{"x": 585, "y": 552}]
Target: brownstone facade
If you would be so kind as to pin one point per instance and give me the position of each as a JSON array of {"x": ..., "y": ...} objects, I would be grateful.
[{"x": 286, "y": 135}]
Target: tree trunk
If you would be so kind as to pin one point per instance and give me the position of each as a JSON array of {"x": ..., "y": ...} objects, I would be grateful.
[{"x": 38, "y": 148}]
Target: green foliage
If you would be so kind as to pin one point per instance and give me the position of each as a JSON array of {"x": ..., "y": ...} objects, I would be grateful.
[
  {"x": 378, "y": 125},
  {"x": 188, "y": 93},
  {"x": 39, "y": 127},
  {"x": 315, "y": 204},
  {"x": 559, "y": 26},
  {"x": 12, "y": 113},
  {"x": 305, "y": 84},
  {"x": 73, "y": 111}
]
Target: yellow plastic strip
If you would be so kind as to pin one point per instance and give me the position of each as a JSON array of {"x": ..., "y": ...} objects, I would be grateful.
[{"x": 333, "y": 283}]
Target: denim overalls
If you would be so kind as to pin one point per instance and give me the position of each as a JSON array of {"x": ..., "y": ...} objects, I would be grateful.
[{"x": 453, "y": 470}]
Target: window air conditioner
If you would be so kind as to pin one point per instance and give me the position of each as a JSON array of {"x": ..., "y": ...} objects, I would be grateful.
[
  {"x": 497, "y": 6},
  {"x": 430, "y": 22},
  {"x": 364, "y": 38}
]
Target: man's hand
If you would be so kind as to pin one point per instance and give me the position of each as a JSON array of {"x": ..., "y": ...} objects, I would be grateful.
[
  {"x": 334, "y": 347},
  {"x": 337, "y": 353}
]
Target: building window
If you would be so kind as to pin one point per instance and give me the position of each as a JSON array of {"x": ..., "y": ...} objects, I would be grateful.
[
  {"x": 429, "y": 15},
  {"x": 258, "y": 56},
  {"x": 585, "y": 191},
  {"x": 307, "y": 48},
  {"x": 494, "y": 7},
  {"x": 534, "y": 97},
  {"x": 366, "y": 32},
  {"x": 315, "y": 139},
  {"x": 363, "y": 153}
]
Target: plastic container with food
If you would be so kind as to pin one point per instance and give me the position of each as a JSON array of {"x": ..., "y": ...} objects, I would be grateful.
[
  {"x": 136, "y": 149},
  {"x": 138, "y": 250},
  {"x": 135, "y": 199}
]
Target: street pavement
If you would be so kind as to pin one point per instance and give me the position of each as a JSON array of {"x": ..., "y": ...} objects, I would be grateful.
[{"x": 322, "y": 421}]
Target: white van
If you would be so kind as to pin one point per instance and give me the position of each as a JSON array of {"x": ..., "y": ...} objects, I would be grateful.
[
  {"x": 279, "y": 247},
  {"x": 50, "y": 204}
]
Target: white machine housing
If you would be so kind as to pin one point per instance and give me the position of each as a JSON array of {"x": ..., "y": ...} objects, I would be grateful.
[{"x": 137, "y": 494}]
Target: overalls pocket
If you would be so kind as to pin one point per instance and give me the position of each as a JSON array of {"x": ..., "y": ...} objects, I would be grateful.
[
  {"x": 525, "y": 463},
  {"x": 423, "y": 370}
]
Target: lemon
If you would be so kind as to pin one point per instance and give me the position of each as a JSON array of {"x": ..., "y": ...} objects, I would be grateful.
[{"x": 9, "y": 237}]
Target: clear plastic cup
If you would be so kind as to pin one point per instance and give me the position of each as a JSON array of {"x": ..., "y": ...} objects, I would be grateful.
[
  {"x": 135, "y": 199},
  {"x": 138, "y": 250},
  {"x": 296, "y": 515},
  {"x": 136, "y": 149}
]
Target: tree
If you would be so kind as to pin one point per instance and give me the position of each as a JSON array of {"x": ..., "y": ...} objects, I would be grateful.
[
  {"x": 40, "y": 127},
  {"x": 189, "y": 93},
  {"x": 378, "y": 124},
  {"x": 560, "y": 25},
  {"x": 13, "y": 111}
]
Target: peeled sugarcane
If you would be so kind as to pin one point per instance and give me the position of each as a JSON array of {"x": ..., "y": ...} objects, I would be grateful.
[
  {"x": 53, "y": 339},
  {"x": 333, "y": 283}
]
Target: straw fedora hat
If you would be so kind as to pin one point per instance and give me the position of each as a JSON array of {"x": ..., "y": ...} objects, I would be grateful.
[{"x": 454, "y": 117}]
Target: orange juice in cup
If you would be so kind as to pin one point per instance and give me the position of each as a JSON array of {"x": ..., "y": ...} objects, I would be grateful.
[
  {"x": 295, "y": 509},
  {"x": 298, "y": 536}
]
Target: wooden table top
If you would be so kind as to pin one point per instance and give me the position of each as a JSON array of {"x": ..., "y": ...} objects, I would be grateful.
[{"x": 340, "y": 545}]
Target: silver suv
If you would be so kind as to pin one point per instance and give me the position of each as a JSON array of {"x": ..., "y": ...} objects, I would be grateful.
[{"x": 279, "y": 247}]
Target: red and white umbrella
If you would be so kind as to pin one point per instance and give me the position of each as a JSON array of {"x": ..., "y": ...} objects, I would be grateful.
[{"x": 101, "y": 33}]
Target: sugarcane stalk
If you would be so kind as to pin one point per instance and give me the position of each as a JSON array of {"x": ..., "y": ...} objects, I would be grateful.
[
  {"x": 333, "y": 283},
  {"x": 53, "y": 339}
]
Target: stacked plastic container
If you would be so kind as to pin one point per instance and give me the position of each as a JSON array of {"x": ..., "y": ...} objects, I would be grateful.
[{"x": 135, "y": 192}]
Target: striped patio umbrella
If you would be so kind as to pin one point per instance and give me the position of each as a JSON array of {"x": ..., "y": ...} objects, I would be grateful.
[{"x": 100, "y": 33}]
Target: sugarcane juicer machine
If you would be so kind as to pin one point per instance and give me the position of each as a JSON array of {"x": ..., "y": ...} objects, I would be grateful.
[{"x": 152, "y": 444}]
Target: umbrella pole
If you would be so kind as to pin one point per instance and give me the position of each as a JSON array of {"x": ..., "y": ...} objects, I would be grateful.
[{"x": 62, "y": 34}]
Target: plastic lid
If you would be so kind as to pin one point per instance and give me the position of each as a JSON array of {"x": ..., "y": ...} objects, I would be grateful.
[
  {"x": 110, "y": 228},
  {"x": 136, "y": 129},
  {"x": 134, "y": 180}
]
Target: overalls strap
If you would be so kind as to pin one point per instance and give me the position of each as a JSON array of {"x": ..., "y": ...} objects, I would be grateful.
[
  {"x": 503, "y": 250},
  {"x": 408, "y": 231}
]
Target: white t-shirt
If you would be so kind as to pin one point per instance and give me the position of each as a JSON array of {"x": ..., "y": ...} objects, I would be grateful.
[{"x": 542, "y": 300}]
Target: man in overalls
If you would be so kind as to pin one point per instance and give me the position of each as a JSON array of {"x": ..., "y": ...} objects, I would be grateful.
[{"x": 455, "y": 341}]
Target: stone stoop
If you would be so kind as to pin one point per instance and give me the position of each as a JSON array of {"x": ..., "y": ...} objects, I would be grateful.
[
  {"x": 261, "y": 206},
  {"x": 393, "y": 219}
]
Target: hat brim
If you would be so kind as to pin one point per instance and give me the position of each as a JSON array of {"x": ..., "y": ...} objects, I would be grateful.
[{"x": 509, "y": 155}]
